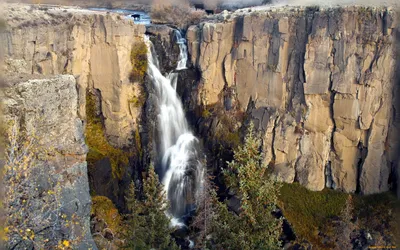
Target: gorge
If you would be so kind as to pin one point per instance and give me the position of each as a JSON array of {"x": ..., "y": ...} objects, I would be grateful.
[{"x": 320, "y": 85}]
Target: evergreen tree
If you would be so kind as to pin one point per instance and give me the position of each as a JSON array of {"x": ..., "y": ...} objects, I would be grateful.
[
  {"x": 135, "y": 234},
  {"x": 255, "y": 227},
  {"x": 148, "y": 225}
]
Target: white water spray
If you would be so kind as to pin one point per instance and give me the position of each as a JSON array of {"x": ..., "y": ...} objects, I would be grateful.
[{"x": 181, "y": 169}]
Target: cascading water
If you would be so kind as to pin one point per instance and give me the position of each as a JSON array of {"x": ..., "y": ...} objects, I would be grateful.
[
  {"x": 183, "y": 55},
  {"x": 180, "y": 168}
]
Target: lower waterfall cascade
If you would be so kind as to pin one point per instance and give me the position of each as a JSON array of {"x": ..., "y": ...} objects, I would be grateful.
[{"x": 180, "y": 168}]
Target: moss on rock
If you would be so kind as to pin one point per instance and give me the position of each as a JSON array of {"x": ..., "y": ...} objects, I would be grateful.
[
  {"x": 138, "y": 100},
  {"x": 139, "y": 61},
  {"x": 104, "y": 209},
  {"x": 99, "y": 147}
]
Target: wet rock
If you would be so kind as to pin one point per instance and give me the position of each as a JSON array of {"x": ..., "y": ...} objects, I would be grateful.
[{"x": 164, "y": 40}]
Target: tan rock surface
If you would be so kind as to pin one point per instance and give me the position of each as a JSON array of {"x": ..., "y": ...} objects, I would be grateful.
[
  {"x": 93, "y": 46},
  {"x": 327, "y": 76}
]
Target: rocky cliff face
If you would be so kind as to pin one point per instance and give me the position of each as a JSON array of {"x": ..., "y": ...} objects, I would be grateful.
[
  {"x": 317, "y": 83},
  {"x": 63, "y": 54},
  {"x": 93, "y": 46},
  {"x": 47, "y": 109}
]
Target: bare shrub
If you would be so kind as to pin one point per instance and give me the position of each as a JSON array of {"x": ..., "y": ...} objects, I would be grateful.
[
  {"x": 178, "y": 13},
  {"x": 206, "y": 213},
  {"x": 345, "y": 226},
  {"x": 34, "y": 215}
]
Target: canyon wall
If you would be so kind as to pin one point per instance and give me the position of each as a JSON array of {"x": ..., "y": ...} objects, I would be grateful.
[
  {"x": 95, "y": 47},
  {"x": 54, "y": 57},
  {"x": 319, "y": 85}
]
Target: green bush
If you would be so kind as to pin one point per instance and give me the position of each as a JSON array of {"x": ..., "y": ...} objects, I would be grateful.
[
  {"x": 255, "y": 227},
  {"x": 147, "y": 224}
]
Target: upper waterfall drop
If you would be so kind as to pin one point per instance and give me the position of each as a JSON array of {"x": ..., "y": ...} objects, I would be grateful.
[
  {"x": 180, "y": 168},
  {"x": 183, "y": 55}
]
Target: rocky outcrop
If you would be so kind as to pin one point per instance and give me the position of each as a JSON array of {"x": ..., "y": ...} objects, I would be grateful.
[
  {"x": 93, "y": 46},
  {"x": 165, "y": 44},
  {"x": 318, "y": 84},
  {"x": 67, "y": 53},
  {"x": 47, "y": 109}
]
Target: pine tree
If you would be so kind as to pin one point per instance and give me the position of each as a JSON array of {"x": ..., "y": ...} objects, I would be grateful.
[
  {"x": 148, "y": 225},
  {"x": 135, "y": 234},
  {"x": 255, "y": 227}
]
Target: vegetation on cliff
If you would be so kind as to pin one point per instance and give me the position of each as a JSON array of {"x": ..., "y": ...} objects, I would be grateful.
[
  {"x": 109, "y": 227},
  {"x": 227, "y": 132},
  {"x": 35, "y": 217},
  {"x": 139, "y": 61},
  {"x": 138, "y": 100},
  {"x": 103, "y": 207},
  {"x": 227, "y": 129},
  {"x": 99, "y": 147}
]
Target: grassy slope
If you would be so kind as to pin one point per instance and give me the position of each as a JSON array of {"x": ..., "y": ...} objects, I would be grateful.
[{"x": 310, "y": 212}]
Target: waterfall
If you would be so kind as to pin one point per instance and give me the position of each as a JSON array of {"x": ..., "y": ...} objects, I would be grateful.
[
  {"x": 183, "y": 55},
  {"x": 180, "y": 167}
]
